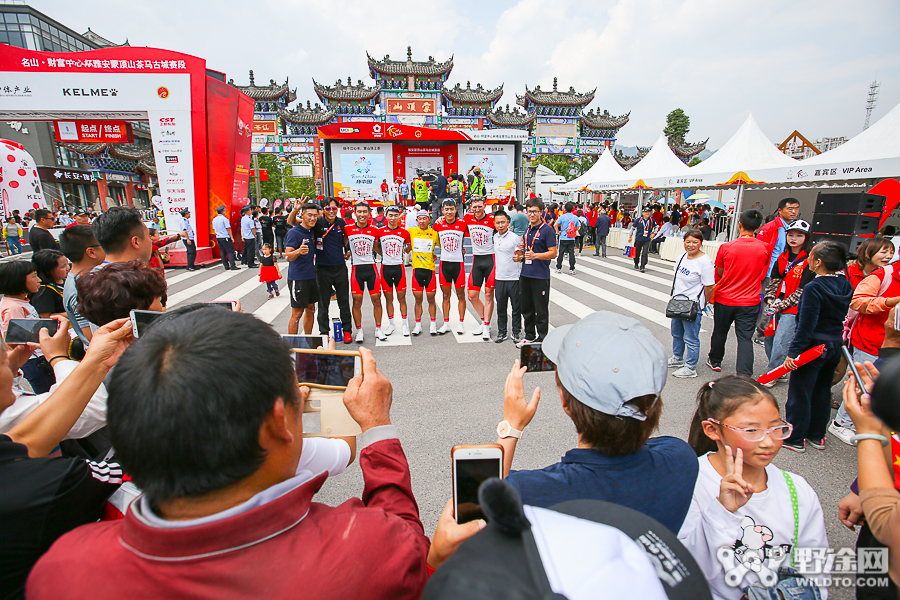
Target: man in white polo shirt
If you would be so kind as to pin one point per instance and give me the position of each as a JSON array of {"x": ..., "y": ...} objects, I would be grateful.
[
  {"x": 506, "y": 276},
  {"x": 187, "y": 236},
  {"x": 248, "y": 235}
]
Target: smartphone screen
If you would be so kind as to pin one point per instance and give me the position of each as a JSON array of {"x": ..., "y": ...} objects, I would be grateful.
[
  {"x": 141, "y": 319},
  {"x": 533, "y": 359},
  {"x": 23, "y": 331},
  {"x": 306, "y": 342},
  {"x": 227, "y": 304},
  {"x": 470, "y": 473},
  {"x": 326, "y": 369}
]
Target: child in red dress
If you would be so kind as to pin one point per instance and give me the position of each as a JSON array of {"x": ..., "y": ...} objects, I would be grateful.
[{"x": 269, "y": 271}]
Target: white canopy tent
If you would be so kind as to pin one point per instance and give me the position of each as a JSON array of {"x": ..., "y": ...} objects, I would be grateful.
[
  {"x": 606, "y": 167},
  {"x": 660, "y": 168}
]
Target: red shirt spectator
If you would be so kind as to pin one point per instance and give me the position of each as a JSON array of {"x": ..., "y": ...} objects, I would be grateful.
[
  {"x": 657, "y": 218},
  {"x": 744, "y": 263},
  {"x": 156, "y": 255}
]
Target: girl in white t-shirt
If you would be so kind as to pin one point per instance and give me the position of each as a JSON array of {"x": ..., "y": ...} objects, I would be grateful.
[
  {"x": 749, "y": 521},
  {"x": 695, "y": 278}
]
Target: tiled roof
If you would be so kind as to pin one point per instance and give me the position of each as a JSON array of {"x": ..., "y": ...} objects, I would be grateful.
[
  {"x": 687, "y": 150},
  {"x": 512, "y": 117},
  {"x": 570, "y": 98},
  {"x": 271, "y": 92},
  {"x": 306, "y": 116},
  {"x": 128, "y": 151},
  {"x": 348, "y": 91},
  {"x": 629, "y": 161},
  {"x": 386, "y": 66},
  {"x": 605, "y": 120},
  {"x": 147, "y": 166},
  {"x": 470, "y": 95}
]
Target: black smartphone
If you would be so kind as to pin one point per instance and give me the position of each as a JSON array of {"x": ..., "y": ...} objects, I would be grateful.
[
  {"x": 329, "y": 368},
  {"x": 306, "y": 342},
  {"x": 852, "y": 366},
  {"x": 141, "y": 319},
  {"x": 23, "y": 331},
  {"x": 532, "y": 357}
]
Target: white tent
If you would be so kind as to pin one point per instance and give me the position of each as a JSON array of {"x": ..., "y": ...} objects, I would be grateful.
[
  {"x": 748, "y": 151},
  {"x": 606, "y": 167},
  {"x": 880, "y": 141},
  {"x": 659, "y": 168}
]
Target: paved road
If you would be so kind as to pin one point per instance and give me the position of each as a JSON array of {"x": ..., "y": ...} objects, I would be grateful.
[{"x": 448, "y": 390}]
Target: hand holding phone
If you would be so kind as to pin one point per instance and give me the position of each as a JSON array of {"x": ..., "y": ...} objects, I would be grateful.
[
  {"x": 532, "y": 357},
  {"x": 472, "y": 465},
  {"x": 141, "y": 319}
]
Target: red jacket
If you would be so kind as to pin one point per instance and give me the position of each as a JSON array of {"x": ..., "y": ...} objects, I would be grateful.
[
  {"x": 291, "y": 547},
  {"x": 868, "y": 332},
  {"x": 155, "y": 259},
  {"x": 768, "y": 233}
]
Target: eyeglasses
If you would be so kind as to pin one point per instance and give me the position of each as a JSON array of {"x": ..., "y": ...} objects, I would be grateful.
[
  {"x": 754, "y": 434},
  {"x": 533, "y": 212}
]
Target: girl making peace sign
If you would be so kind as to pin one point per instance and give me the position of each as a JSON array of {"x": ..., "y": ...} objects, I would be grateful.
[{"x": 748, "y": 518}]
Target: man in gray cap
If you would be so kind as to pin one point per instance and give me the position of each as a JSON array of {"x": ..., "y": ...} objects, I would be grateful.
[
  {"x": 224, "y": 238},
  {"x": 187, "y": 236},
  {"x": 610, "y": 372}
]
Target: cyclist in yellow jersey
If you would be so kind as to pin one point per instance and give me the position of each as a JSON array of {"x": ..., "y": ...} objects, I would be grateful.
[{"x": 424, "y": 241}]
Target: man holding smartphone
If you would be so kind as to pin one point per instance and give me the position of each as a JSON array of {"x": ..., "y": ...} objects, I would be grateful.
[
  {"x": 299, "y": 244},
  {"x": 538, "y": 249}
]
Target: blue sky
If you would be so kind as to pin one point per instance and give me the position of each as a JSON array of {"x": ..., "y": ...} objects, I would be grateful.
[{"x": 802, "y": 65}]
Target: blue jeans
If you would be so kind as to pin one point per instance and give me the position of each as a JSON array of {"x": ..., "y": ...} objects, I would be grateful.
[
  {"x": 39, "y": 374},
  {"x": 687, "y": 334},
  {"x": 781, "y": 341},
  {"x": 15, "y": 245},
  {"x": 842, "y": 418}
]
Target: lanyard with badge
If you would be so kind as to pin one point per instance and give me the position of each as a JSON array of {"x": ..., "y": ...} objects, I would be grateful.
[
  {"x": 534, "y": 238},
  {"x": 320, "y": 243}
]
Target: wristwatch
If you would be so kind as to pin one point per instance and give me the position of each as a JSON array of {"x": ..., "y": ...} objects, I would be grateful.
[{"x": 505, "y": 430}]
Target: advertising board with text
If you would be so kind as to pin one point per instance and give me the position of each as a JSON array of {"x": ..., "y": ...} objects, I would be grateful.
[
  {"x": 359, "y": 170},
  {"x": 497, "y": 164},
  {"x": 104, "y": 132}
]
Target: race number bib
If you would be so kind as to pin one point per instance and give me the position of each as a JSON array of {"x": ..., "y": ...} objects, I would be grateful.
[{"x": 423, "y": 245}]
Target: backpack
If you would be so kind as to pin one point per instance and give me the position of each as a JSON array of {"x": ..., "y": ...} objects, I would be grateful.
[
  {"x": 582, "y": 227},
  {"x": 454, "y": 190},
  {"x": 571, "y": 230}
]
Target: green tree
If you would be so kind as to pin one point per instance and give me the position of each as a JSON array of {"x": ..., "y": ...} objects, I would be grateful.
[
  {"x": 677, "y": 126},
  {"x": 294, "y": 187},
  {"x": 695, "y": 161},
  {"x": 568, "y": 166}
]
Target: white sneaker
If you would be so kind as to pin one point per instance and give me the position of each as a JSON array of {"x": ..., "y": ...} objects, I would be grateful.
[
  {"x": 389, "y": 329},
  {"x": 445, "y": 328},
  {"x": 461, "y": 329},
  {"x": 685, "y": 372},
  {"x": 418, "y": 329},
  {"x": 486, "y": 333},
  {"x": 379, "y": 334},
  {"x": 405, "y": 328},
  {"x": 522, "y": 342},
  {"x": 675, "y": 362},
  {"x": 842, "y": 433},
  {"x": 359, "y": 336}
]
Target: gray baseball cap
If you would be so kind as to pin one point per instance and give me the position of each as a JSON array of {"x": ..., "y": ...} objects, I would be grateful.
[{"x": 606, "y": 359}]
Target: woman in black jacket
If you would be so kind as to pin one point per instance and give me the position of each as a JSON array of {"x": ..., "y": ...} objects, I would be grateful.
[{"x": 820, "y": 320}]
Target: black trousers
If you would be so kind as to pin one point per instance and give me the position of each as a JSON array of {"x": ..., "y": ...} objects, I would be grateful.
[
  {"x": 867, "y": 539},
  {"x": 248, "y": 256},
  {"x": 566, "y": 246},
  {"x": 808, "y": 405},
  {"x": 190, "y": 251},
  {"x": 744, "y": 319},
  {"x": 226, "y": 249},
  {"x": 507, "y": 291},
  {"x": 579, "y": 242},
  {"x": 333, "y": 280},
  {"x": 601, "y": 243},
  {"x": 534, "y": 295},
  {"x": 641, "y": 253},
  {"x": 655, "y": 244}
]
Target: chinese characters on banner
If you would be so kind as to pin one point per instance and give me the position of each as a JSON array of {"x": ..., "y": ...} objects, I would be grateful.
[
  {"x": 107, "y": 132},
  {"x": 265, "y": 127},
  {"x": 403, "y": 106}
]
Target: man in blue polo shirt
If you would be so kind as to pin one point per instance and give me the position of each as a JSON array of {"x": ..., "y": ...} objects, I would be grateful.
[
  {"x": 538, "y": 249},
  {"x": 567, "y": 228},
  {"x": 641, "y": 232},
  {"x": 299, "y": 249},
  {"x": 248, "y": 235},
  {"x": 331, "y": 269}
]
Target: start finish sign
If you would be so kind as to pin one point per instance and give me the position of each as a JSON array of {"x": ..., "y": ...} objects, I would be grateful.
[{"x": 106, "y": 132}]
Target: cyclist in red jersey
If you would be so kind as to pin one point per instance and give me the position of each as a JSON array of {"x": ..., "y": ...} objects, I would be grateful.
[
  {"x": 452, "y": 269},
  {"x": 363, "y": 238},
  {"x": 481, "y": 230},
  {"x": 394, "y": 242}
]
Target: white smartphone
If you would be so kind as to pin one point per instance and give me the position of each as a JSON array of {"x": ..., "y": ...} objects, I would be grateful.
[
  {"x": 141, "y": 319},
  {"x": 472, "y": 465},
  {"x": 306, "y": 342},
  {"x": 229, "y": 304},
  {"x": 330, "y": 369}
]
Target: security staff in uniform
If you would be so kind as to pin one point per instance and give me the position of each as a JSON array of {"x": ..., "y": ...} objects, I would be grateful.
[
  {"x": 187, "y": 236},
  {"x": 224, "y": 238}
]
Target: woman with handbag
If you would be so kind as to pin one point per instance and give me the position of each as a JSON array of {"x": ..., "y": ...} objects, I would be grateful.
[{"x": 692, "y": 288}]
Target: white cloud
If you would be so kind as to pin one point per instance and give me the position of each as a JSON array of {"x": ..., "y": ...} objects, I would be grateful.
[{"x": 796, "y": 65}]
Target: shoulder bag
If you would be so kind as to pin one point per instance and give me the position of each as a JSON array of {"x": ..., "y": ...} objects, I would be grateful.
[{"x": 680, "y": 306}]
